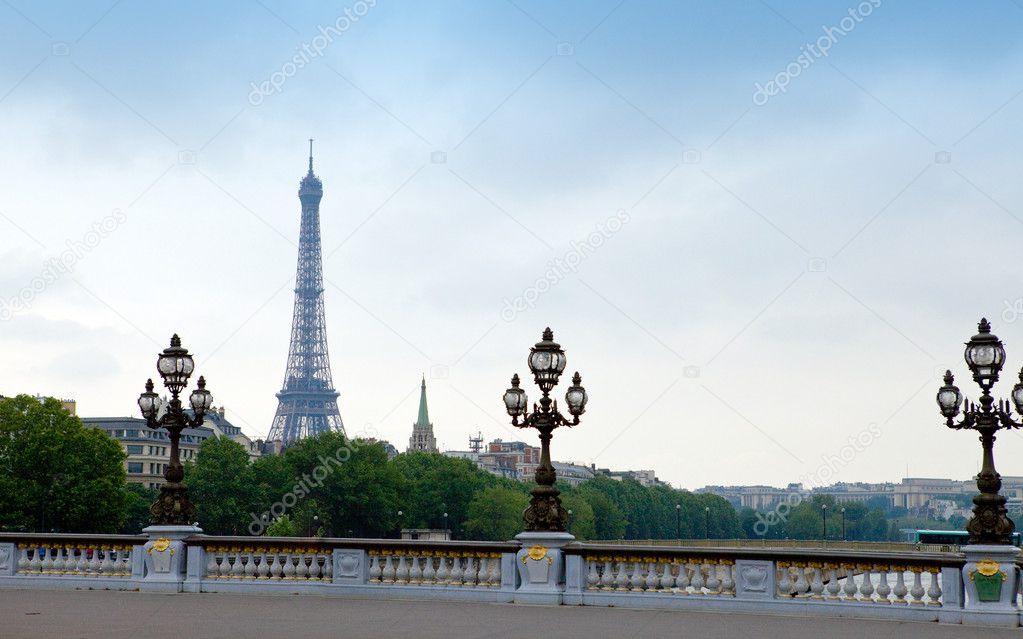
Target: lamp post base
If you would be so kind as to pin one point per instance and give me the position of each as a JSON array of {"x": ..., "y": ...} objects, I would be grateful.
[
  {"x": 163, "y": 557},
  {"x": 990, "y": 578},
  {"x": 541, "y": 563}
]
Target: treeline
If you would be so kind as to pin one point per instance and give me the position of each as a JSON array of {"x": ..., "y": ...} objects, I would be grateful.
[
  {"x": 58, "y": 475},
  {"x": 332, "y": 486}
]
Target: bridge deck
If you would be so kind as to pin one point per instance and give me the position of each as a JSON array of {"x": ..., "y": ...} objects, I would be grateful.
[{"x": 113, "y": 615}]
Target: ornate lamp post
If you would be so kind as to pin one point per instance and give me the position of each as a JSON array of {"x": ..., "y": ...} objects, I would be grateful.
[
  {"x": 175, "y": 366},
  {"x": 984, "y": 355},
  {"x": 546, "y": 362}
]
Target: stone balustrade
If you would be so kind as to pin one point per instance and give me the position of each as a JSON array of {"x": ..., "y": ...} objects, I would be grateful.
[{"x": 903, "y": 584}]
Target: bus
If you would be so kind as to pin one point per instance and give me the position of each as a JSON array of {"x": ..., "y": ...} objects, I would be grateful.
[{"x": 952, "y": 537}]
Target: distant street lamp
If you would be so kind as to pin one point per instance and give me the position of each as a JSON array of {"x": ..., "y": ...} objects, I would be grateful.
[
  {"x": 445, "y": 521},
  {"x": 570, "y": 519},
  {"x": 678, "y": 522},
  {"x": 984, "y": 355},
  {"x": 843, "y": 523},
  {"x": 400, "y": 523},
  {"x": 546, "y": 362},
  {"x": 824, "y": 511},
  {"x": 175, "y": 366},
  {"x": 706, "y": 515}
]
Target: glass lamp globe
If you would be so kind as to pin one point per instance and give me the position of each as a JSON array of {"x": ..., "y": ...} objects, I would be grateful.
[
  {"x": 984, "y": 355},
  {"x": 515, "y": 400},
  {"x": 949, "y": 398},
  {"x": 148, "y": 401},
  {"x": 547, "y": 361},
  {"x": 576, "y": 397},
  {"x": 1017, "y": 394},
  {"x": 201, "y": 399},
  {"x": 175, "y": 365}
]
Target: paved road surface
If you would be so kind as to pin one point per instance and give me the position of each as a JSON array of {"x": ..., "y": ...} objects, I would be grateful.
[{"x": 115, "y": 615}]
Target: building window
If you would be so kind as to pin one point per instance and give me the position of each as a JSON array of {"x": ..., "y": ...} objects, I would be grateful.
[
  {"x": 134, "y": 449},
  {"x": 135, "y": 468}
]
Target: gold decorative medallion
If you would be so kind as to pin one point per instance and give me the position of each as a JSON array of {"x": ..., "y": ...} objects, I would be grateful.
[
  {"x": 987, "y": 567},
  {"x": 160, "y": 545},
  {"x": 537, "y": 553}
]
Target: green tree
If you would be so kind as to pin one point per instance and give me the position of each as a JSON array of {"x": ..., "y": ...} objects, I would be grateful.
[
  {"x": 55, "y": 473},
  {"x": 495, "y": 514},
  {"x": 137, "y": 517},
  {"x": 351, "y": 483},
  {"x": 608, "y": 520},
  {"x": 434, "y": 484},
  {"x": 581, "y": 520},
  {"x": 221, "y": 486}
]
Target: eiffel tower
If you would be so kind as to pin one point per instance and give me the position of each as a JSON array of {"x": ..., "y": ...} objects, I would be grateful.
[{"x": 308, "y": 401}]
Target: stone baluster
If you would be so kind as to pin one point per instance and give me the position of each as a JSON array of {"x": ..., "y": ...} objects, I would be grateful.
[
  {"x": 429, "y": 573},
  {"x": 47, "y": 564},
  {"x": 263, "y": 567},
  {"x": 82, "y": 564},
  {"x": 35, "y": 564},
  {"x": 866, "y": 583},
  {"x": 817, "y": 582},
  {"x": 607, "y": 575},
  {"x": 212, "y": 569},
  {"x": 225, "y": 563},
  {"x": 125, "y": 559},
  {"x": 456, "y": 570},
  {"x": 494, "y": 573},
  {"x": 251, "y": 555},
  {"x": 622, "y": 576},
  {"x": 667, "y": 580},
  {"x": 592, "y": 576},
  {"x": 636, "y": 580},
  {"x": 713, "y": 577},
  {"x": 697, "y": 582},
  {"x": 58, "y": 560},
  {"x": 401, "y": 571},
  {"x": 917, "y": 591},
  {"x": 276, "y": 564},
  {"x": 682, "y": 580},
  {"x": 900, "y": 589},
  {"x": 442, "y": 570},
  {"x": 106, "y": 566},
  {"x": 651, "y": 583},
  {"x": 850, "y": 589},
  {"x": 802, "y": 586},
  {"x": 24, "y": 562},
  {"x": 375, "y": 569},
  {"x": 415, "y": 574},
  {"x": 302, "y": 568},
  {"x": 317, "y": 564},
  {"x": 238, "y": 568},
  {"x": 728, "y": 583},
  {"x": 784, "y": 579},
  {"x": 387, "y": 574},
  {"x": 934, "y": 588},
  {"x": 94, "y": 562},
  {"x": 883, "y": 589},
  {"x": 328, "y": 567}
]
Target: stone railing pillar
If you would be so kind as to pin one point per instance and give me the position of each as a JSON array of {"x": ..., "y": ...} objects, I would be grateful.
[
  {"x": 990, "y": 579},
  {"x": 755, "y": 579},
  {"x": 8, "y": 559},
  {"x": 164, "y": 557},
  {"x": 195, "y": 565},
  {"x": 350, "y": 566},
  {"x": 541, "y": 566}
]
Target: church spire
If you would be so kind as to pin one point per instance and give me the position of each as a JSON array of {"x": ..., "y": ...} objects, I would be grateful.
[
  {"x": 424, "y": 416},
  {"x": 422, "y": 439}
]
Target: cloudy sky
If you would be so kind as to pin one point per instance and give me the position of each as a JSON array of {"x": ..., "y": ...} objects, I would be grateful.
[{"x": 759, "y": 229}]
